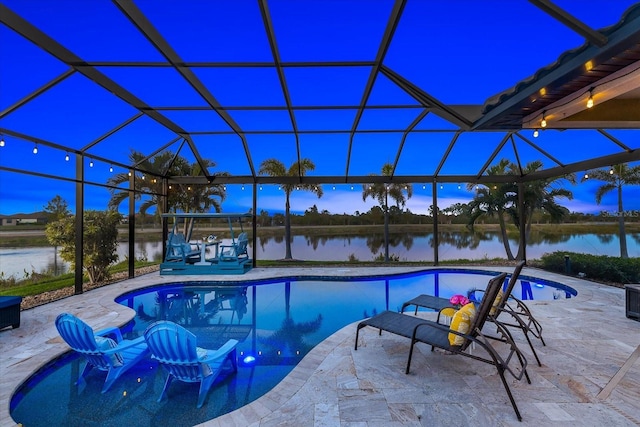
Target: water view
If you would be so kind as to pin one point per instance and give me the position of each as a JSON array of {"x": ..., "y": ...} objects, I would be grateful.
[{"x": 19, "y": 262}]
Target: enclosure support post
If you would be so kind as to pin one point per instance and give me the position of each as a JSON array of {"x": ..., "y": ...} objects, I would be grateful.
[
  {"x": 165, "y": 209},
  {"x": 132, "y": 223},
  {"x": 79, "y": 223},
  {"x": 254, "y": 225},
  {"x": 436, "y": 240},
  {"x": 523, "y": 235}
]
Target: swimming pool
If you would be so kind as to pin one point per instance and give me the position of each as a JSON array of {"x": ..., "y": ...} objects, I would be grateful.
[{"x": 278, "y": 320}]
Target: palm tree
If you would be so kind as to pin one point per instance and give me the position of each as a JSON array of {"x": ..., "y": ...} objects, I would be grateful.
[
  {"x": 276, "y": 168},
  {"x": 615, "y": 179},
  {"x": 381, "y": 193},
  {"x": 501, "y": 199},
  {"x": 539, "y": 195},
  {"x": 158, "y": 165},
  {"x": 492, "y": 200},
  {"x": 188, "y": 199}
]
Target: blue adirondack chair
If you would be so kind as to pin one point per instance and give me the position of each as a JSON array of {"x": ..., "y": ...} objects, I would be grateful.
[
  {"x": 175, "y": 348},
  {"x": 105, "y": 349},
  {"x": 237, "y": 250},
  {"x": 178, "y": 249}
]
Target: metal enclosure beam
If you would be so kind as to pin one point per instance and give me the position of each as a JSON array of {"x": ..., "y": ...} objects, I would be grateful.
[
  {"x": 392, "y": 23},
  {"x": 275, "y": 52},
  {"x": 571, "y": 21}
]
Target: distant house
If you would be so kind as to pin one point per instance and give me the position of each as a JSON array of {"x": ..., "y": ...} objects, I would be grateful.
[
  {"x": 8, "y": 221},
  {"x": 22, "y": 219}
]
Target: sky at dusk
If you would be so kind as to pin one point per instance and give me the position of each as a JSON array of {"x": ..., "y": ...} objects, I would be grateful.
[{"x": 459, "y": 52}]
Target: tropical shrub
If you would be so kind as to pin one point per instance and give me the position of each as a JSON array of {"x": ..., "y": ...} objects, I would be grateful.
[
  {"x": 100, "y": 241},
  {"x": 597, "y": 267}
]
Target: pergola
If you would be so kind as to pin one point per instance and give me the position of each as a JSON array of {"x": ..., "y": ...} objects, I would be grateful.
[{"x": 241, "y": 81}]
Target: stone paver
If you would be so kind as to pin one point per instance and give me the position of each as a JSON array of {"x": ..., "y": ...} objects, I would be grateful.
[{"x": 589, "y": 339}]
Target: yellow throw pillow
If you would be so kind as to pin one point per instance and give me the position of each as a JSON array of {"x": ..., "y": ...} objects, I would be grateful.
[
  {"x": 496, "y": 303},
  {"x": 461, "y": 322}
]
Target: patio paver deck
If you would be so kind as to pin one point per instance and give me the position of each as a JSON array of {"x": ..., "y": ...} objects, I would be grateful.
[{"x": 589, "y": 340}]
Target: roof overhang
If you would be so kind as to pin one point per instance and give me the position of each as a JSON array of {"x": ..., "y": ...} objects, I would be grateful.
[{"x": 559, "y": 92}]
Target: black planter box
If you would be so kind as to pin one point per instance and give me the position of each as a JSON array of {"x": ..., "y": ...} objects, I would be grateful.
[
  {"x": 10, "y": 312},
  {"x": 632, "y": 297}
]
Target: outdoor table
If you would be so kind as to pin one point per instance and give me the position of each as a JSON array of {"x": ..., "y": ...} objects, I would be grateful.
[{"x": 203, "y": 251}]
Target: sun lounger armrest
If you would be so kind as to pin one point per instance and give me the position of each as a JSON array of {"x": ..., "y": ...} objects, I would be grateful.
[
  {"x": 110, "y": 331},
  {"x": 522, "y": 310}
]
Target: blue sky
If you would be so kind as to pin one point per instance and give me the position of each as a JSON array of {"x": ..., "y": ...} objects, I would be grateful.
[{"x": 460, "y": 52}]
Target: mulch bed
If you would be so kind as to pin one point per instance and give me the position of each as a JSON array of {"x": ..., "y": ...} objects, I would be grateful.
[{"x": 47, "y": 297}]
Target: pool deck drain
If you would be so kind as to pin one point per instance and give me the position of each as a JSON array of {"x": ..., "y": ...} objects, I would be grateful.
[{"x": 590, "y": 374}]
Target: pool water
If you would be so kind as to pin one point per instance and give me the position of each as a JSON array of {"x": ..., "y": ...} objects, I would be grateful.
[{"x": 276, "y": 321}]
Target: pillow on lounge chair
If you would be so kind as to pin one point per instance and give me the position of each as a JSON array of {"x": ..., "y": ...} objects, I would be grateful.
[
  {"x": 461, "y": 322},
  {"x": 496, "y": 303},
  {"x": 106, "y": 343}
]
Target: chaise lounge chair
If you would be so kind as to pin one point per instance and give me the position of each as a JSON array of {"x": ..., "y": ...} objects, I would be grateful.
[
  {"x": 441, "y": 336},
  {"x": 175, "y": 348},
  {"x": 113, "y": 355},
  {"x": 521, "y": 315}
]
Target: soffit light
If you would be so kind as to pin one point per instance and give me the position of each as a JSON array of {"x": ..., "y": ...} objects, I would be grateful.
[{"x": 590, "y": 100}]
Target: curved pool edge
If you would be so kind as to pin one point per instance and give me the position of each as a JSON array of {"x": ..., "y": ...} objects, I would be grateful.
[{"x": 36, "y": 342}]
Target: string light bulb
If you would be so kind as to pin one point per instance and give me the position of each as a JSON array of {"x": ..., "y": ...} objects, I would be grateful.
[
  {"x": 35, "y": 149},
  {"x": 90, "y": 163},
  {"x": 611, "y": 170},
  {"x": 1, "y": 141},
  {"x": 536, "y": 133},
  {"x": 543, "y": 123},
  {"x": 66, "y": 157},
  {"x": 590, "y": 100},
  {"x": 110, "y": 168},
  {"x": 586, "y": 176}
]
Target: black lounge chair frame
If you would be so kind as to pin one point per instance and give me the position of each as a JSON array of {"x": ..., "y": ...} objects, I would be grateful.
[
  {"x": 436, "y": 335},
  {"x": 523, "y": 318}
]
